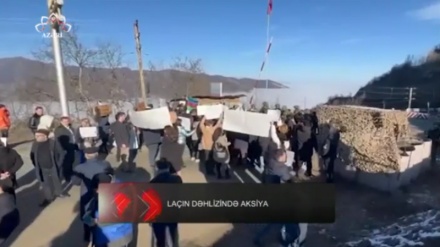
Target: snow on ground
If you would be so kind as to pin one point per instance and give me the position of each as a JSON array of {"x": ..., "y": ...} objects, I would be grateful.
[{"x": 408, "y": 231}]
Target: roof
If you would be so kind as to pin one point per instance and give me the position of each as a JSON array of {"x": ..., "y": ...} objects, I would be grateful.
[{"x": 218, "y": 97}]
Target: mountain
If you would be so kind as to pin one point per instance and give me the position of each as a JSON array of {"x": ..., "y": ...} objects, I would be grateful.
[
  {"x": 393, "y": 89},
  {"x": 37, "y": 77}
]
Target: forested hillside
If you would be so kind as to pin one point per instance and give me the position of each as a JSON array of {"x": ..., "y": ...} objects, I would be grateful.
[{"x": 393, "y": 89}]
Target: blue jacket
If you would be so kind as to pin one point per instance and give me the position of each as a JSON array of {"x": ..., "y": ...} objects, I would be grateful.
[{"x": 119, "y": 234}]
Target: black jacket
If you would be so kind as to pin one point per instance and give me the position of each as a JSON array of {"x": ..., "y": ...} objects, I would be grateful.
[
  {"x": 331, "y": 144},
  {"x": 11, "y": 162},
  {"x": 276, "y": 173},
  {"x": 57, "y": 156},
  {"x": 66, "y": 138},
  {"x": 9, "y": 216},
  {"x": 166, "y": 178},
  {"x": 304, "y": 142},
  {"x": 121, "y": 133},
  {"x": 34, "y": 121}
]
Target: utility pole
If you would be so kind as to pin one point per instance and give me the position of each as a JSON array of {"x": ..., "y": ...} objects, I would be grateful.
[
  {"x": 410, "y": 98},
  {"x": 54, "y": 7},
  {"x": 137, "y": 38}
]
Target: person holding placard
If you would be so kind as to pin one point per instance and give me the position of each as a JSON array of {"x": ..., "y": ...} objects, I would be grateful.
[
  {"x": 194, "y": 140},
  {"x": 208, "y": 128},
  {"x": 96, "y": 141}
]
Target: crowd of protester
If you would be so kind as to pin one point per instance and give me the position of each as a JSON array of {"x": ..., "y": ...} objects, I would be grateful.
[{"x": 61, "y": 154}]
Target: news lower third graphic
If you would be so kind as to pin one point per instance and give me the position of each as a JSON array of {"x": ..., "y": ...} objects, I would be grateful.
[{"x": 216, "y": 203}]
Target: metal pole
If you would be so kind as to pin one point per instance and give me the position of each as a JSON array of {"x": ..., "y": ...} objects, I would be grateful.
[
  {"x": 59, "y": 67},
  {"x": 410, "y": 97}
]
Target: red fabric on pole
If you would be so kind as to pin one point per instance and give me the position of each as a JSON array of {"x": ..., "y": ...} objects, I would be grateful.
[{"x": 269, "y": 7}]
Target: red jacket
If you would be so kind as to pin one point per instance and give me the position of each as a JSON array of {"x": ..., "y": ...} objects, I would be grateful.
[{"x": 5, "y": 120}]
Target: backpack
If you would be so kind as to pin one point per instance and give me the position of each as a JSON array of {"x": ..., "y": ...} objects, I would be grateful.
[
  {"x": 220, "y": 154},
  {"x": 293, "y": 235}
]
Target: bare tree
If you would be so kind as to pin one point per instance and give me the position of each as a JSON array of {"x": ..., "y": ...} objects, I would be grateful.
[
  {"x": 110, "y": 56},
  {"x": 189, "y": 71},
  {"x": 76, "y": 54}
]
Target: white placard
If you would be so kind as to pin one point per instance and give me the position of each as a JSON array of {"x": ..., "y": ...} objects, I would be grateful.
[
  {"x": 251, "y": 123},
  {"x": 46, "y": 122},
  {"x": 152, "y": 119},
  {"x": 87, "y": 132},
  {"x": 4, "y": 140},
  {"x": 186, "y": 123},
  {"x": 275, "y": 114},
  {"x": 210, "y": 111},
  {"x": 290, "y": 156}
]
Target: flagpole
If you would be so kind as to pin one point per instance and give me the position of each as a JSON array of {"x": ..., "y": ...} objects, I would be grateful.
[{"x": 267, "y": 44}]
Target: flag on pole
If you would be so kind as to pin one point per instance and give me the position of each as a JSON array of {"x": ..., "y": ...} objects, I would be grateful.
[
  {"x": 191, "y": 104},
  {"x": 269, "y": 7}
]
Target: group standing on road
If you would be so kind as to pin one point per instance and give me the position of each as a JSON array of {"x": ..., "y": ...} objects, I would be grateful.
[{"x": 63, "y": 154}]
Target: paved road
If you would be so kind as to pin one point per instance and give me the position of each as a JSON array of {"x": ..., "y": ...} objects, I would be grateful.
[{"x": 58, "y": 225}]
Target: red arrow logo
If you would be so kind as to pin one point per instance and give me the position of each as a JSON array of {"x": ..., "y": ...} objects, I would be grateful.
[
  {"x": 121, "y": 202},
  {"x": 152, "y": 200}
]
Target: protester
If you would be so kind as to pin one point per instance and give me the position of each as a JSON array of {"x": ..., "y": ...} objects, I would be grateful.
[
  {"x": 194, "y": 140},
  {"x": 66, "y": 138},
  {"x": 221, "y": 153},
  {"x": 275, "y": 172},
  {"x": 304, "y": 145},
  {"x": 183, "y": 136},
  {"x": 34, "y": 121},
  {"x": 330, "y": 150},
  {"x": 160, "y": 229},
  {"x": 207, "y": 128},
  {"x": 10, "y": 163},
  {"x": 104, "y": 133},
  {"x": 46, "y": 156},
  {"x": 105, "y": 235},
  {"x": 5, "y": 121},
  {"x": 9, "y": 214},
  {"x": 152, "y": 140},
  {"x": 96, "y": 141},
  {"x": 84, "y": 174},
  {"x": 133, "y": 147},
  {"x": 171, "y": 149},
  {"x": 241, "y": 143},
  {"x": 121, "y": 136}
]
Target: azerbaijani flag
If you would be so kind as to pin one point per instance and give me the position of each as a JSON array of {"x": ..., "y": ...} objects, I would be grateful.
[{"x": 191, "y": 104}]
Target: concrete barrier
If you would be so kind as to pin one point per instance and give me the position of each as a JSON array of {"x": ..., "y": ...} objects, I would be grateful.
[{"x": 411, "y": 166}]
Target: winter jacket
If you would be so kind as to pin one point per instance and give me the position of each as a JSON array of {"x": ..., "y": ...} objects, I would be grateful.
[
  {"x": 5, "y": 120},
  {"x": 110, "y": 235},
  {"x": 11, "y": 162},
  {"x": 207, "y": 134},
  {"x": 33, "y": 123}
]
